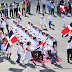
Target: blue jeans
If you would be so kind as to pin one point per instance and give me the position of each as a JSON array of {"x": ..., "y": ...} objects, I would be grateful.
[
  {"x": 19, "y": 57},
  {"x": 0, "y": 46},
  {"x": 52, "y": 11},
  {"x": 49, "y": 9},
  {"x": 54, "y": 57},
  {"x": 28, "y": 9},
  {"x": 50, "y": 24},
  {"x": 71, "y": 11}
]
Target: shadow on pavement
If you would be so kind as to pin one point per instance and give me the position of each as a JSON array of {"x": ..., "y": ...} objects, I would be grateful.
[
  {"x": 22, "y": 65},
  {"x": 59, "y": 66},
  {"x": 15, "y": 70},
  {"x": 31, "y": 65},
  {"x": 44, "y": 66},
  {"x": 2, "y": 58},
  {"x": 48, "y": 70},
  {"x": 11, "y": 61}
]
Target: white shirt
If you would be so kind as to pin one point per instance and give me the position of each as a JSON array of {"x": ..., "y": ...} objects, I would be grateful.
[
  {"x": 14, "y": 5},
  {"x": 19, "y": 49},
  {"x": 7, "y": 22},
  {"x": 1, "y": 37},
  {"x": 43, "y": 1},
  {"x": 62, "y": 15},
  {"x": 69, "y": 45},
  {"x": 19, "y": 21},
  {"x": 52, "y": 5},
  {"x": 49, "y": 3},
  {"x": 2, "y": 25},
  {"x": 50, "y": 18}
]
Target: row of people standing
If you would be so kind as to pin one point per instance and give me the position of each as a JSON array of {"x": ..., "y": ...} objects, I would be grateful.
[{"x": 49, "y": 4}]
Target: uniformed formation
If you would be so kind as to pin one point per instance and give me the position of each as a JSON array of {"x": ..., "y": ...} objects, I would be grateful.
[{"x": 29, "y": 37}]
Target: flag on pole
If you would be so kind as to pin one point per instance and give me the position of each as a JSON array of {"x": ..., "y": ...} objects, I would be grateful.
[
  {"x": 12, "y": 39},
  {"x": 67, "y": 31},
  {"x": 19, "y": 13},
  {"x": 40, "y": 45},
  {"x": 3, "y": 17},
  {"x": 62, "y": 8}
]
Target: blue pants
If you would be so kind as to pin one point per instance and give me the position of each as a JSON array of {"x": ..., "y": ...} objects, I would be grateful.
[
  {"x": 28, "y": 9},
  {"x": 71, "y": 11},
  {"x": 49, "y": 9},
  {"x": 7, "y": 28},
  {"x": 52, "y": 11},
  {"x": 54, "y": 57},
  {"x": 19, "y": 57},
  {"x": 0, "y": 46},
  {"x": 50, "y": 24}
]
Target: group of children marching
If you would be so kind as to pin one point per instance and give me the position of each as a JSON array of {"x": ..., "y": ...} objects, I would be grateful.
[{"x": 28, "y": 39}]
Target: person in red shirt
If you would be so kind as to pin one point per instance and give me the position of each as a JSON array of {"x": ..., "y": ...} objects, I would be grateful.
[{"x": 28, "y": 6}]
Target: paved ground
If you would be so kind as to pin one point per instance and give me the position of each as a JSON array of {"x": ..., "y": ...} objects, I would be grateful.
[{"x": 11, "y": 66}]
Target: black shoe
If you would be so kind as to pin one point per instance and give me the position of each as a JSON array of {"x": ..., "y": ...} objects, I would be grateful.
[
  {"x": 34, "y": 63},
  {"x": 52, "y": 63},
  {"x": 49, "y": 27}
]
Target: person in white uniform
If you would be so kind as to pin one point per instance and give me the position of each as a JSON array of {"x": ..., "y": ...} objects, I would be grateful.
[
  {"x": 2, "y": 26},
  {"x": 69, "y": 49},
  {"x": 42, "y": 21},
  {"x": 28, "y": 55},
  {"x": 62, "y": 19},
  {"x": 9, "y": 52},
  {"x": 19, "y": 20},
  {"x": 20, "y": 48}
]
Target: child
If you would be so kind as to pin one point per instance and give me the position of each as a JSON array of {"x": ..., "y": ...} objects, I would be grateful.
[
  {"x": 28, "y": 53},
  {"x": 7, "y": 24},
  {"x": 19, "y": 52},
  {"x": 62, "y": 19},
  {"x": 50, "y": 20},
  {"x": 1, "y": 37},
  {"x": 9, "y": 52},
  {"x": 54, "y": 53},
  {"x": 19, "y": 20},
  {"x": 39, "y": 54},
  {"x": 42, "y": 21},
  {"x": 2, "y": 26}
]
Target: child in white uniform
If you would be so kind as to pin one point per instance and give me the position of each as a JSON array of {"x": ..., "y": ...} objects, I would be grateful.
[
  {"x": 9, "y": 52},
  {"x": 42, "y": 21},
  {"x": 62, "y": 19},
  {"x": 28, "y": 55},
  {"x": 20, "y": 47}
]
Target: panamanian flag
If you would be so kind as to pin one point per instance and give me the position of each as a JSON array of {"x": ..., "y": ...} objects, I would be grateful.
[
  {"x": 67, "y": 31},
  {"x": 62, "y": 8},
  {"x": 11, "y": 40}
]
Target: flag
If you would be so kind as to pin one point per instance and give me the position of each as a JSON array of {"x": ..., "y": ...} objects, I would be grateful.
[
  {"x": 40, "y": 45},
  {"x": 62, "y": 8},
  {"x": 67, "y": 31},
  {"x": 12, "y": 39},
  {"x": 3, "y": 17},
  {"x": 19, "y": 13}
]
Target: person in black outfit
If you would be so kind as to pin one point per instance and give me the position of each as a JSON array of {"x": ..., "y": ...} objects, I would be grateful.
[
  {"x": 38, "y": 6},
  {"x": 69, "y": 49},
  {"x": 39, "y": 54}
]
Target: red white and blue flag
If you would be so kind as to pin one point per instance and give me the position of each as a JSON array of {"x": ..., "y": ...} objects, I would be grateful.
[
  {"x": 67, "y": 31},
  {"x": 11, "y": 40},
  {"x": 63, "y": 9},
  {"x": 19, "y": 13}
]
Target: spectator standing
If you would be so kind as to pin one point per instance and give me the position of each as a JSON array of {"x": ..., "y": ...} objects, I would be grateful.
[
  {"x": 6, "y": 10},
  {"x": 28, "y": 6},
  {"x": 49, "y": 5},
  {"x": 38, "y": 6},
  {"x": 24, "y": 8},
  {"x": 11, "y": 9},
  {"x": 52, "y": 7}
]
